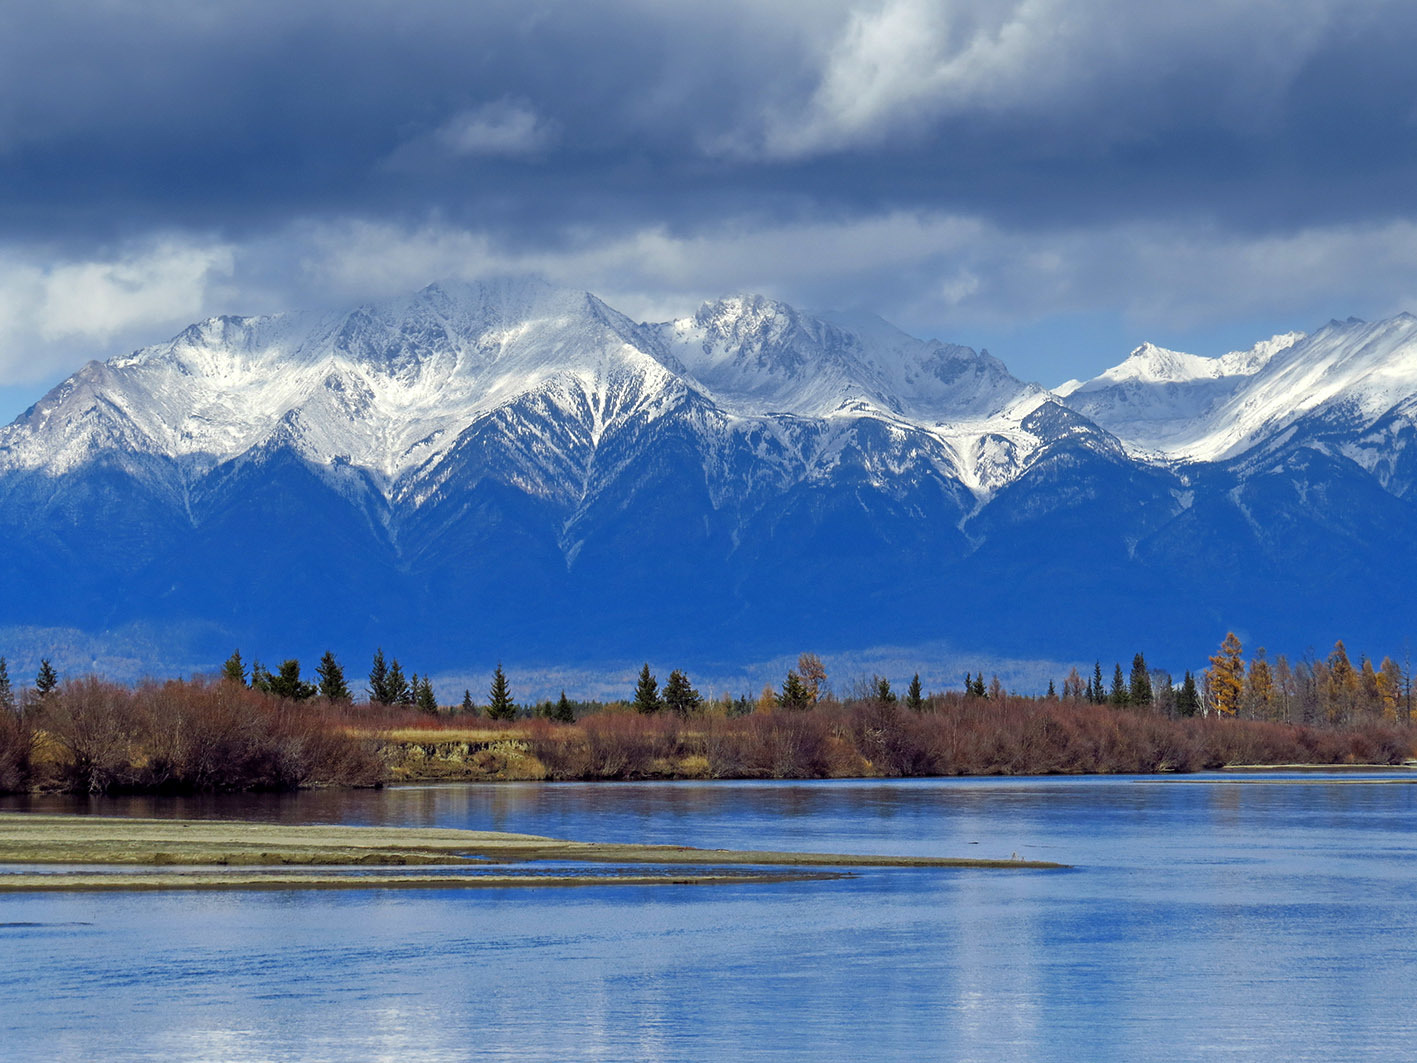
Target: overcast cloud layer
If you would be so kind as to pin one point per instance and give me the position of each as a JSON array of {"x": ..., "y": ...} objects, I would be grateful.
[{"x": 1056, "y": 179}]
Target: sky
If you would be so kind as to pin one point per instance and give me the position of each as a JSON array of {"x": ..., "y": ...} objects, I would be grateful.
[{"x": 1055, "y": 180}]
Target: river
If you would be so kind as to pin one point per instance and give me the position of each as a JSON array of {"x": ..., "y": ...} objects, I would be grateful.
[{"x": 1204, "y": 917}]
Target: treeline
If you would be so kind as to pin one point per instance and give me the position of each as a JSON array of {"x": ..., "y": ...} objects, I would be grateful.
[
  {"x": 950, "y": 734},
  {"x": 250, "y": 728},
  {"x": 91, "y": 736}
]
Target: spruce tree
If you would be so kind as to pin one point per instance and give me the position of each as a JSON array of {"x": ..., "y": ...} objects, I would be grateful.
[
  {"x": 1188, "y": 701},
  {"x": 499, "y": 697},
  {"x": 881, "y": 689},
  {"x": 646, "y": 692},
  {"x": 795, "y": 694},
  {"x": 234, "y": 670},
  {"x": 468, "y": 708},
  {"x": 1140, "y": 690},
  {"x": 563, "y": 713},
  {"x": 47, "y": 679},
  {"x": 680, "y": 697},
  {"x": 979, "y": 690},
  {"x": 1052, "y": 694},
  {"x": 968, "y": 684},
  {"x": 378, "y": 689},
  {"x": 260, "y": 678},
  {"x": 1099, "y": 692},
  {"x": 427, "y": 700},
  {"x": 1119, "y": 696},
  {"x": 7, "y": 693},
  {"x": 286, "y": 683},
  {"x": 914, "y": 696},
  {"x": 397, "y": 686},
  {"x": 332, "y": 684}
]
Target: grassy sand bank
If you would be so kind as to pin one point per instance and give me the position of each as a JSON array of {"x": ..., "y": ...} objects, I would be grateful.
[{"x": 236, "y": 855}]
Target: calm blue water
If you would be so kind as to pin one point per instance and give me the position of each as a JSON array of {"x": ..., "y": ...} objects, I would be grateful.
[{"x": 1217, "y": 919}]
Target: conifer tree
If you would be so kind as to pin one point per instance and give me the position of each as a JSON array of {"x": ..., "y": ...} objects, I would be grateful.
[
  {"x": 914, "y": 695},
  {"x": 1099, "y": 692},
  {"x": 47, "y": 679},
  {"x": 234, "y": 670},
  {"x": 378, "y": 689},
  {"x": 499, "y": 697},
  {"x": 1052, "y": 694},
  {"x": 1225, "y": 677},
  {"x": 968, "y": 684},
  {"x": 260, "y": 678},
  {"x": 468, "y": 707},
  {"x": 1259, "y": 688},
  {"x": 646, "y": 692},
  {"x": 1188, "y": 701},
  {"x": 679, "y": 696},
  {"x": 400, "y": 693},
  {"x": 978, "y": 690},
  {"x": 882, "y": 689},
  {"x": 1139, "y": 692},
  {"x": 286, "y": 683},
  {"x": 7, "y": 693},
  {"x": 562, "y": 712},
  {"x": 1119, "y": 695},
  {"x": 332, "y": 682},
  {"x": 794, "y": 693},
  {"x": 426, "y": 699}
]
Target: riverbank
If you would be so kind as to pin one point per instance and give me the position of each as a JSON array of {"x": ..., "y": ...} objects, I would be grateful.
[{"x": 227, "y": 854}]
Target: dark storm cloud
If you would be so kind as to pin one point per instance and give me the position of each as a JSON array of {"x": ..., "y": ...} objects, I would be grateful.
[
  {"x": 959, "y": 165},
  {"x": 127, "y": 113}
]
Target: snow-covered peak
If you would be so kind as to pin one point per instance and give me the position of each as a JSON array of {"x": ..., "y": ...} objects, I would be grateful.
[{"x": 1184, "y": 407}]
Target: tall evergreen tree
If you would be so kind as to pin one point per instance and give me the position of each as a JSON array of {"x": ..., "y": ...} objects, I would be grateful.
[
  {"x": 882, "y": 691},
  {"x": 1099, "y": 692},
  {"x": 234, "y": 670},
  {"x": 399, "y": 691},
  {"x": 1188, "y": 701},
  {"x": 499, "y": 697},
  {"x": 378, "y": 689},
  {"x": 679, "y": 696},
  {"x": 7, "y": 693},
  {"x": 646, "y": 692},
  {"x": 468, "y": 707},
  {"x": 332, "y": 683},
  {"x": 562, "y": 712},
  {"x": 1140, "y": 690},
  {"x": 795, "y": 694},
  {"x": 426, "y": 700},
  {"x": 286, "y": 683},
  {"x": 1119, "y": 694},
  {"x": 47, "y": 679},
  {"x": 260, "y": 678},
  {"x": 914, "y": 695},
  {"x": 1052, "y": 694},
  {"x": 979, "y": 690},
  {"x": 968, "y": 684}
]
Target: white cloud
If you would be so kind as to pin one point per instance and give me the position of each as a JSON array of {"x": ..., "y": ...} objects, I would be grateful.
[
  {"x": 933, "y": 273},
  {"x": 50, "y": 306},
  {"x": 897, "y": 67},
  {"x": 506, "y": 128}
]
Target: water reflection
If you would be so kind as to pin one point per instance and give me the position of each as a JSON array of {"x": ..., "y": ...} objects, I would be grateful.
[{"x": 1226, "y": 919}]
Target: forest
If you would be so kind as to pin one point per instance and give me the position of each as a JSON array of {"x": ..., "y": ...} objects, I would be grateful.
[{"x": 248, "y": 728}]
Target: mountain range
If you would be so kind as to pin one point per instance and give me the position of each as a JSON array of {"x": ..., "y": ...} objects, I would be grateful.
[{"x": 509, "y": 470}]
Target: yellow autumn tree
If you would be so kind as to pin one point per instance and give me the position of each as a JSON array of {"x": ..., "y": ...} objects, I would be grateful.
[
  {"x": 1343, "y": 686},
  {"x": 1259, "y": 688},
  {"x": 1225, "y": 678}
]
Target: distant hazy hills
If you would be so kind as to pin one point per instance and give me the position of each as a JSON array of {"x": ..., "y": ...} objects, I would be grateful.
[{"x": 515, "y": 471}]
